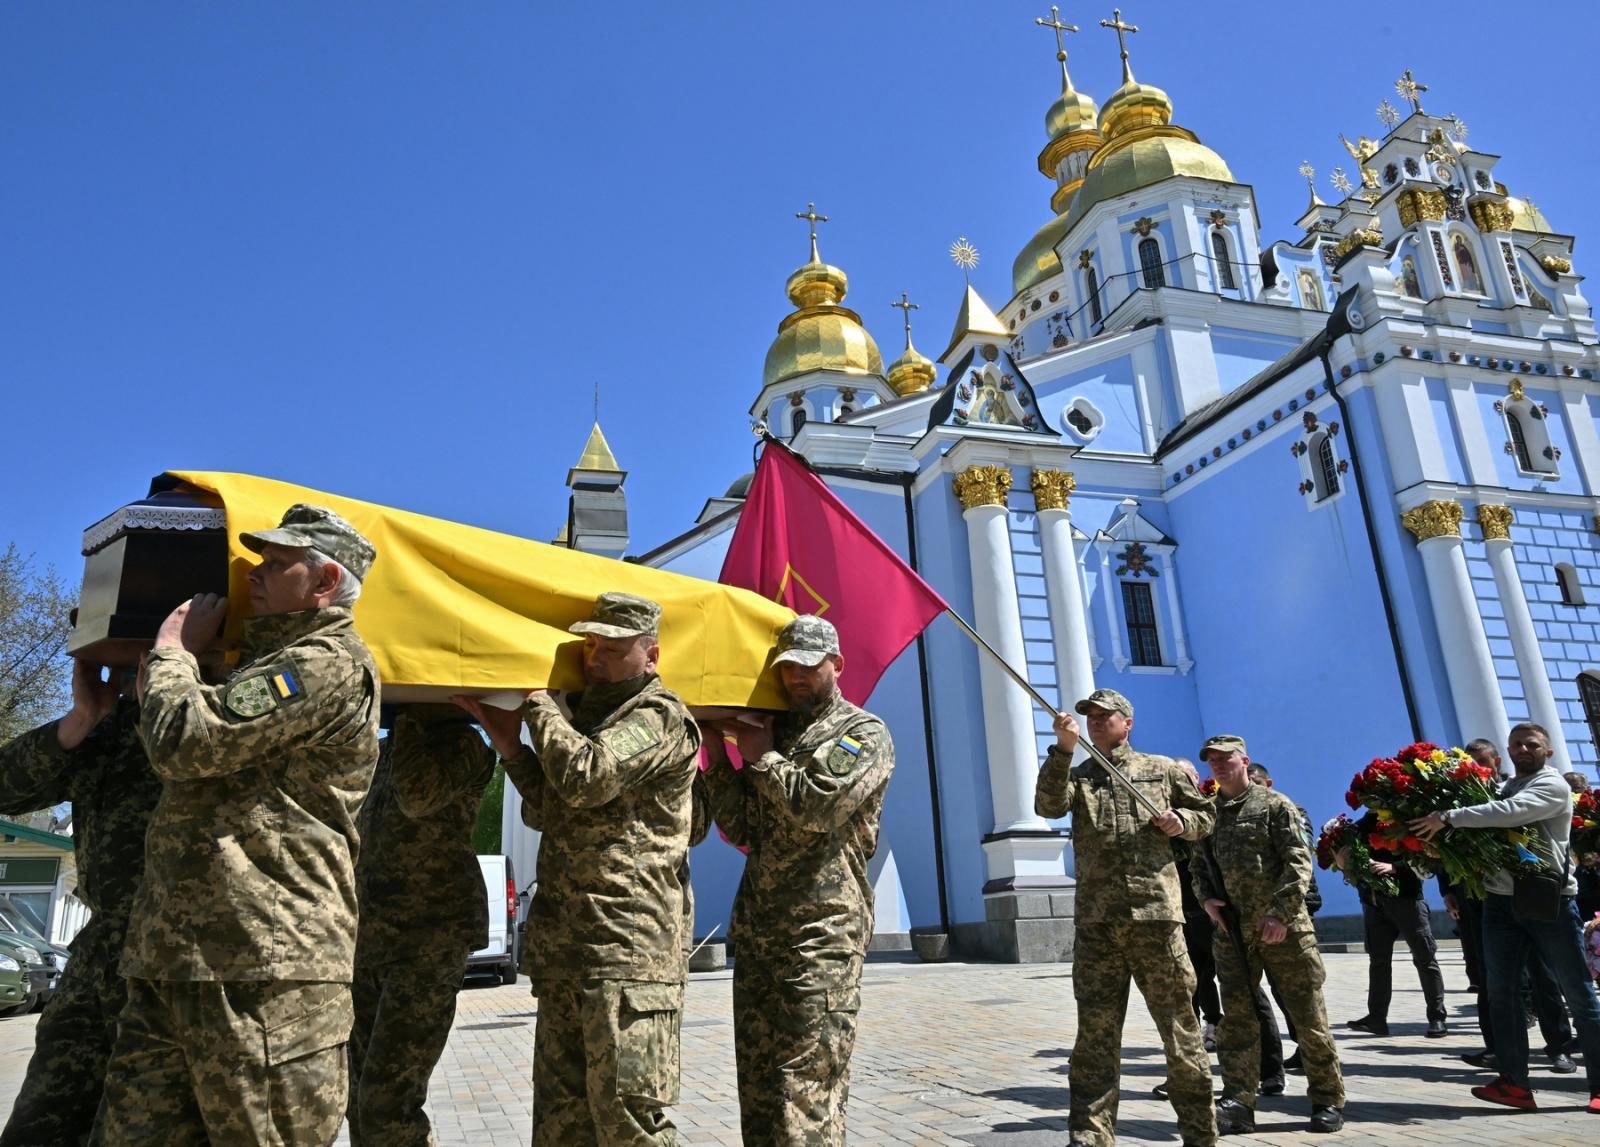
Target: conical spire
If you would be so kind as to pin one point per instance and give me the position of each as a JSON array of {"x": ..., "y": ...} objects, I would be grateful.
[
  {"x": 597, "y": 454},
  {"x": 974, "y": 319}
]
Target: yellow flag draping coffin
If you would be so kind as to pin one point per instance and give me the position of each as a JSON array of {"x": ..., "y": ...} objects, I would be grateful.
[{"x": 448, "y": 607}]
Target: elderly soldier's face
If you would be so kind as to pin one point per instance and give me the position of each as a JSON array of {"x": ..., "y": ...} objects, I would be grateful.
[
  {"x": 809, "y": 686},
  {"x": 1107, "y": 726},
  {"x": 608, "y": 660},
  {"x": 283, "y": 582}
]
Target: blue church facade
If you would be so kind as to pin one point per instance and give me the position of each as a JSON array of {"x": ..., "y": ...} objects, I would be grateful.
[{"x": 1333, "y": 494}]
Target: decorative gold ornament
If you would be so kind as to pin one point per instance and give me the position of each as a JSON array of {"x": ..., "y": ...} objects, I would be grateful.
[
  {"x": 1144, "y": 225},
  {"x": 964, "y": 254},
  {"x": 1085, "y": 258},
  {"x": 1490, "y": 216},
  {"x": 1341, "y": 181},
  {"x": 1055, "y": 24},
  {"x": 1366, "y": 237},
  {"x": 1457, "y": 129},
  {"x": 1496, "y": 523},
  {"x": 1420, "y": 203},
  {"x": 1388, "y": 114},
  {"x": 1437, "y": 519},
  {"x": 1052, "y": 488},
  {"x": 1409, "y": 90},
  {"x": 1116, "y": 24},
  {"x": 1218, "y": 218},
  {"x": 1515, "y": 391},
  {"x": 1555, "y": 264},
  {"x": 982, "y": 486}
]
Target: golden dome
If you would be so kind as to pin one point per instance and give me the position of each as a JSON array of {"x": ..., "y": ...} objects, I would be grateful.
[
  {"x": 1072, "y": 111},
  {"x": 911, "y": 372},
  {"x": 1038, "y": 260},
  {"x": 820, "y": 334},
  {"x": 1134, "y": 105},
  {"x": 1526, "y": 217}
]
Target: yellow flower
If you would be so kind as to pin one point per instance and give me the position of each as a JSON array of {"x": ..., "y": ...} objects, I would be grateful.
[
  {"x": 1384, "y": 814},
  {"x": 1438, "y": 756}
]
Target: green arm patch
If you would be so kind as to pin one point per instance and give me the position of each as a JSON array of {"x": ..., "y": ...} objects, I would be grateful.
[
  {"x": 263, "y": 690},
  {"x": 630, "y": 738},
  {"x": 843, "y": 757}
]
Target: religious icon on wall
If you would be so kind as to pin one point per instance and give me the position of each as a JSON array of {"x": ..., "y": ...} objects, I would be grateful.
[
  {"x": 1408, "y": 277},
  {"x": 1468, "y": 266}
]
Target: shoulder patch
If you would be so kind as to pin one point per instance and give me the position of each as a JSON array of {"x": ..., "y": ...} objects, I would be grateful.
[
  {"x": 250, "y": 696},
  {"x": 842, "y": 758},
  {"x": 630, "y": 738}
]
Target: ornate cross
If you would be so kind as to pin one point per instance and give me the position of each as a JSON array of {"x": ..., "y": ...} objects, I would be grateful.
[
  {"x": 1409, "y": 90},
  {"x": 906, "y": 305},
  {"x": 810, "y": 216},
  {"x": 1061, "y": 44},
  {"x": 1120, "y": 28}
]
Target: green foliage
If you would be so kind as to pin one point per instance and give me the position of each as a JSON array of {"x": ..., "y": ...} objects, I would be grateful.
[
  {"x": 34, "y": 676},
  {"x": 486, "y": 828}
]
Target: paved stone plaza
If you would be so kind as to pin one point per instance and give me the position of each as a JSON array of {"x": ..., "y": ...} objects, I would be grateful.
[{"x": 970, "y": 1054}]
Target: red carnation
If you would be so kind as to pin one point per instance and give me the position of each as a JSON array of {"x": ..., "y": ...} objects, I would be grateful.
[
  {"x": 1375, "y": 839},
  {"x": 1413, "y": 843},
  {"x": 1352, "y": 800}
]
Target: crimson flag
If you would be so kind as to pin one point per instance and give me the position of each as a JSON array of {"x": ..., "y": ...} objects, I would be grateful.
[{"x": 798, "y": 544}]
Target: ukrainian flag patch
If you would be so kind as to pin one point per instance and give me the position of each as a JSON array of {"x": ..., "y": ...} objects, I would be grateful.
[
  {"x": 850, "y": 745},
  {"x": 285, "y": 685}
]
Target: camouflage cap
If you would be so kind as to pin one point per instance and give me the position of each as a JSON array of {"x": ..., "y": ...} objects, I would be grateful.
[
  {"x": 807, "y": 640},
  {"x": 621, "y": 615},
  {"x": 315, "y": 527},
  {"x": 1223, "y": 743},
  {"x": 1106, "y": 699}
]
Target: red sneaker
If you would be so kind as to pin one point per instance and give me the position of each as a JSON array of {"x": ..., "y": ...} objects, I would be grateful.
[
  {"x": 1594, "y": 1104},
  {"x": 1507, "y": 1094}
]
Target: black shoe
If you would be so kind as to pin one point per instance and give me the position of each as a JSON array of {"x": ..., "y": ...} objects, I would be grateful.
[
  {"x": 1272, "y": 1085},
  {"x": 1561, "y": 1063},
  {"x": 1234, "y": 1118},
  {"x": 1484, "y": 1059},
  {"x": 1293, "y": 1065},
  {"x": 1160, "y": 1090},
  {"x": 1369, "y": 1025},
  {"x": 1437, "y": 1029},
  {"x": 1325, "y": 1120}
]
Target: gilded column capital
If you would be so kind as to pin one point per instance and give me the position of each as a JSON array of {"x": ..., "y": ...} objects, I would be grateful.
[
  {"x": 1490, "y": 216},
  {"x": 1052, "y": 488},
  {"x": 1437, "y": 519},
  {"x": 982, "y": 486},
  {"x": 1496, "y": 523}
]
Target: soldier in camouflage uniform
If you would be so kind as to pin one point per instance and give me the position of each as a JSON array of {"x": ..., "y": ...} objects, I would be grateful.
[
  {"x": 91, "y": 757},
  {"x": 610, "y": 789},
  {"x": 1129, "y": 916},
  {"x": 1262, "y": 868},
  {"x": 422, "y": 913},
  {"x": 807, "y": 805},
  {"x": 242, "y": 940}
]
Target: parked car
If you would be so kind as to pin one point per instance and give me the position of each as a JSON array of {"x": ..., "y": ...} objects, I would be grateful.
[
  {"x": 16, "y": 925},
  {"x": 14, "y": 989},
  {"x": 37, "y": 976},
  {"x": 503, "y": 953}
]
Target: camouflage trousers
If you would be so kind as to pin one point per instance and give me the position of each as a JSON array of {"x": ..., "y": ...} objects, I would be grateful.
[
  {"x": 792, "y": 1046},
  {"x": 235, "y": 1062},
  {"x": 605, "y": 1063},
  {"x": 60, "y": 1093},
  {"x": 1151, "y": 955},
  {"x": 403, "y": 1013},
  {"x": 1296, "y": 969}
]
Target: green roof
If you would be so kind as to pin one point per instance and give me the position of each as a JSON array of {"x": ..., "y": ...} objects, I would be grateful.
[{"x": 12, "y": 830}]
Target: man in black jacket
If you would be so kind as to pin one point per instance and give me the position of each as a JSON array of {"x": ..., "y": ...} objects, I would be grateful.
[{"x": 1387, "y": 918}]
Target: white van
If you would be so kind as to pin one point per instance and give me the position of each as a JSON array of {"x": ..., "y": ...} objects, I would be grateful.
[{"x": 503, "y": 952}]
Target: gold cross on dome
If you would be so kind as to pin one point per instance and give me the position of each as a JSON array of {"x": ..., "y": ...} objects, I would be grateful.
[
  {"x": 1120, "y": 28},
  {"x": 906, "y": 305},
  {"x": 810, "y": 216},
  {"x": 1409, "y": 89},
  {"x": 1061, "y": 44}
]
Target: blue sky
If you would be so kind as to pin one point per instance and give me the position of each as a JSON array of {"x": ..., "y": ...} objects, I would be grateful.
[{"x": 389, "y": 250}]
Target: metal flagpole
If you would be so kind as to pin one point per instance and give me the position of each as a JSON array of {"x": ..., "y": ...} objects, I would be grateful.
[{"x": 1104, "y": 761}]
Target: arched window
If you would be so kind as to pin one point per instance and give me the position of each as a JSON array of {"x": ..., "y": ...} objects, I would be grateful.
[
  {"x": 1571, "y": 587},
  {"x": 797, "y": 420},
  {"x": 1519, "y": 441},
  {"x": 1589, "y": 692},
  {"x": 1326, "y": 470},
  {"x": 1219, "y": 250},
  {"x": 1310, "y": 291},
  {"x": 1150, "y": 263},
  {"x": 1091, "y": 286}
]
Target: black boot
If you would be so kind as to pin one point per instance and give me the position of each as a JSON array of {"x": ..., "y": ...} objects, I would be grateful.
[
  {"x": 1325, "y": 1119},
  {"x": 1234, "y": 1118}
]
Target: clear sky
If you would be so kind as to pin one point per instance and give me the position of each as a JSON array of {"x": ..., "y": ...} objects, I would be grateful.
[{"x": 389, "y": 249}]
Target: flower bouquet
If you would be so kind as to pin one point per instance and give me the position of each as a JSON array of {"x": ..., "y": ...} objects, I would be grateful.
[
  {"x": 1208, "y": 787},
  {"x": 1342, "y": 833},
  {"x": 1586, "y": 829},
  {"x": 1422, "y": 779}
]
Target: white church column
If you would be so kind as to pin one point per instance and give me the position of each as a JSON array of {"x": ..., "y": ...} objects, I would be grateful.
[
  {"x": 1468, "y": 665},
  {"x": 1021, "y": 843},
  {"x": 1496, "y": 523},
  {"x": 1068, "y": 619}
]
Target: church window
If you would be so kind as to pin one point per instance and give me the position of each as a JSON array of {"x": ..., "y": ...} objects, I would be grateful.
[
  {"x": 1150, "y": 263},
  {"x": 1589, "y": 692},
  {"x": 1138, "y": 607},
  {"x": 1083, "y": 418},
  {"x": 1519, "y": 441},
  {"x": 1310, "y": 291},
  {"x": 1219, "y": 249},
  {"x": 796, "y": 421},
  {"x": 1091, "y": 287},
  {"x": 1327, "y": 469},
  {"x": 1467, "y": 265},
  {"x": 1571, "y": 587}
]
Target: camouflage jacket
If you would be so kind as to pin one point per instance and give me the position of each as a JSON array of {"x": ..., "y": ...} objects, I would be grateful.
[
  {"x": 417, "y": 881},
  {"x": 112, "y": 789},
  {"x": 250, "y": 858},
  {"x": 1125, "y": 866},
  {"x": 611, "y": 792},
  {"x": 808, "y": 811},
  {"x": 1263, "y": 857}
]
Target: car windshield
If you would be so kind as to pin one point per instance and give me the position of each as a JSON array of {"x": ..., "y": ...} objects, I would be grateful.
[{"x": 15, "y": 917}]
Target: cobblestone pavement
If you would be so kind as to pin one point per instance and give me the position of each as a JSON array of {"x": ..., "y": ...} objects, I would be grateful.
[{"x": 976, "y": 1054}]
